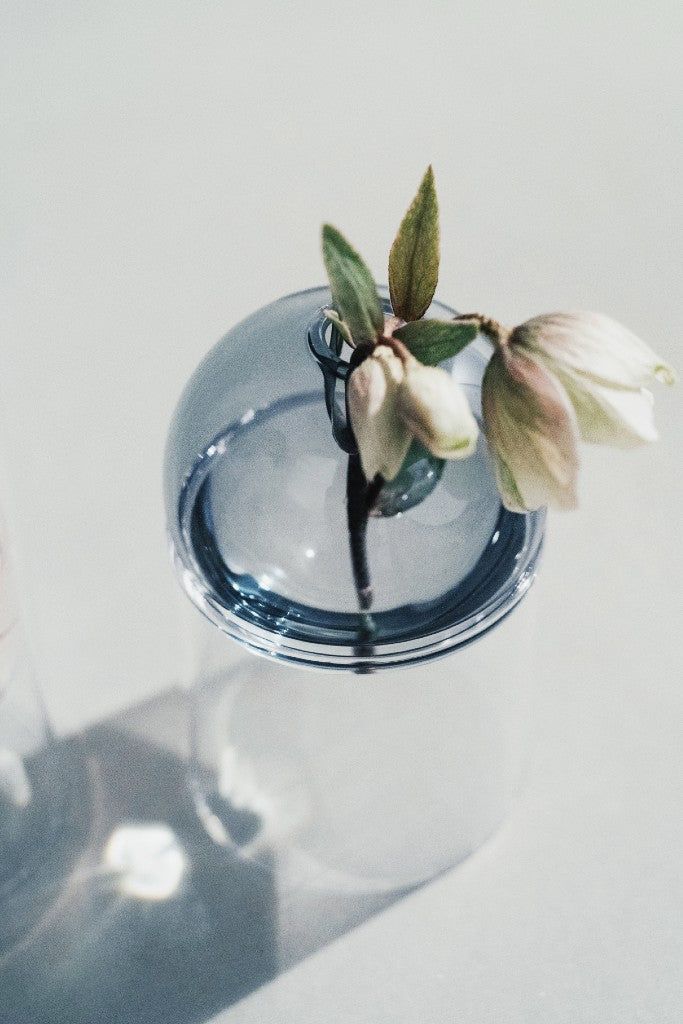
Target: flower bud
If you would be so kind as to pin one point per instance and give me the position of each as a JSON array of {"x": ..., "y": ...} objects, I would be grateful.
[
  {"x": 603, "y": 368},
  {"x": 382, "y": 437},
  {"x": 434, "y": 408},
  {"x": 532, "y": 433}
]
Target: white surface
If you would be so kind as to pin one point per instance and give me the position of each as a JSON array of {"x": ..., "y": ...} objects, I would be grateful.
[{"x": 167, "y": 167}]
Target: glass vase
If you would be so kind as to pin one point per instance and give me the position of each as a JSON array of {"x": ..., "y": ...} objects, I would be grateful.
[{"x": 368, "y": 749}]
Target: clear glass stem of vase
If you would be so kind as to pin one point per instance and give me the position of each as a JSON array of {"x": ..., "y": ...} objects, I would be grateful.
[{"x": 360, "y": 783}]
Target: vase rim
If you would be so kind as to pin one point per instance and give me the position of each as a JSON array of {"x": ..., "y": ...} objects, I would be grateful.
[{"x": 312, "y": 654}]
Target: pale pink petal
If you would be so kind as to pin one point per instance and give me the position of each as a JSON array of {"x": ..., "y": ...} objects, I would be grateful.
[
  {"x": 532, "y": 433},
  {"x": 382, "y": 438},
  {"x": 594, "y": 346}
]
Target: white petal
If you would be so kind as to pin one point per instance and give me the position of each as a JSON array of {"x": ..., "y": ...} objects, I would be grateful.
[
  {"x": 532, "y": 433},
  {"x": 507, "y": 487},
  {"x": 594, "y": 346},
  {"x": 434, "y": 408},
  {"x": 615, "y": 416},
  {"x": 382, "y": 438}
]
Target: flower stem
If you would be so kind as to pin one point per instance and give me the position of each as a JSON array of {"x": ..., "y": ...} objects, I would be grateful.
[
  {"x": 357, "y": 516},
  {"x": 397, "y": 347},
  {"x": 360, "y": 498},
  {"x": 493, "y": 330}
]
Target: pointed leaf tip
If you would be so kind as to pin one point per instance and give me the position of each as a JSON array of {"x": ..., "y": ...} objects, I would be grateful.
[{"x": 414, "y": 256}]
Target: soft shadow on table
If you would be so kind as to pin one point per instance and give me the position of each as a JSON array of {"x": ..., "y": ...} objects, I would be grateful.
[{"x": 138, "y": 917}]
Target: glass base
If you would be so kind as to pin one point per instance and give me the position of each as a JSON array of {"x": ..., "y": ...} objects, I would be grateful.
[{"x": 362, "y": 783}]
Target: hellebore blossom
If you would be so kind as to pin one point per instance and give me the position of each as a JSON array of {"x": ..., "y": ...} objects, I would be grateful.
[
  {"x": 393, "y": 399},
  {"x": 434, "y": 408},
  {"x": 550, "y": 383},
  {"x": 552, "y": 380},
  {"x": 532, "y": 433},
  {"x": 382, "y": 437},
  {"x": 603, "y": 368}
]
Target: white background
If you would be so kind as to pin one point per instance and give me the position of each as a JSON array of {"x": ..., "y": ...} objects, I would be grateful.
[{"x": 166, "y": 169}]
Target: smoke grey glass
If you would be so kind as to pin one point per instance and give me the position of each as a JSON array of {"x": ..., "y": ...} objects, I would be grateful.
[
  {"x": 256, "y": 508},
  {"x": 333, "y": 780}
]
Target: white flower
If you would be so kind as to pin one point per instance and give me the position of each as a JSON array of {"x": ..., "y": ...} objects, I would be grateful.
[
  {"x": 381, "y": 435},
  {"x": 532, "y": 433},
  {"x": 434, "y": 408},
  {"x": 603, "y": 368}
]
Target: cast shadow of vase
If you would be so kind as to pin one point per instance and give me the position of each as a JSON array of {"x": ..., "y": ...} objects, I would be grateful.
[{"x": 145, "y": 920}]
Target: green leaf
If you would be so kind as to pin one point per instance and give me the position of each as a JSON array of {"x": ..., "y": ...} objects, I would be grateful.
[
  {"x": 432, "y": 341},
  {"x": 414, "y": 256},
  {"x": 353, "y": 290}
]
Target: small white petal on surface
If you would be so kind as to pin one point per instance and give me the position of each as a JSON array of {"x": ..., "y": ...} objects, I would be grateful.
[
  {"x": 623, "y": 418},
  {"x": 532, "y": 433},
  {"x": 382, "y": 437},
  {"x": 434, "y": 408},
  {"x": 594, "y": 346}
]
